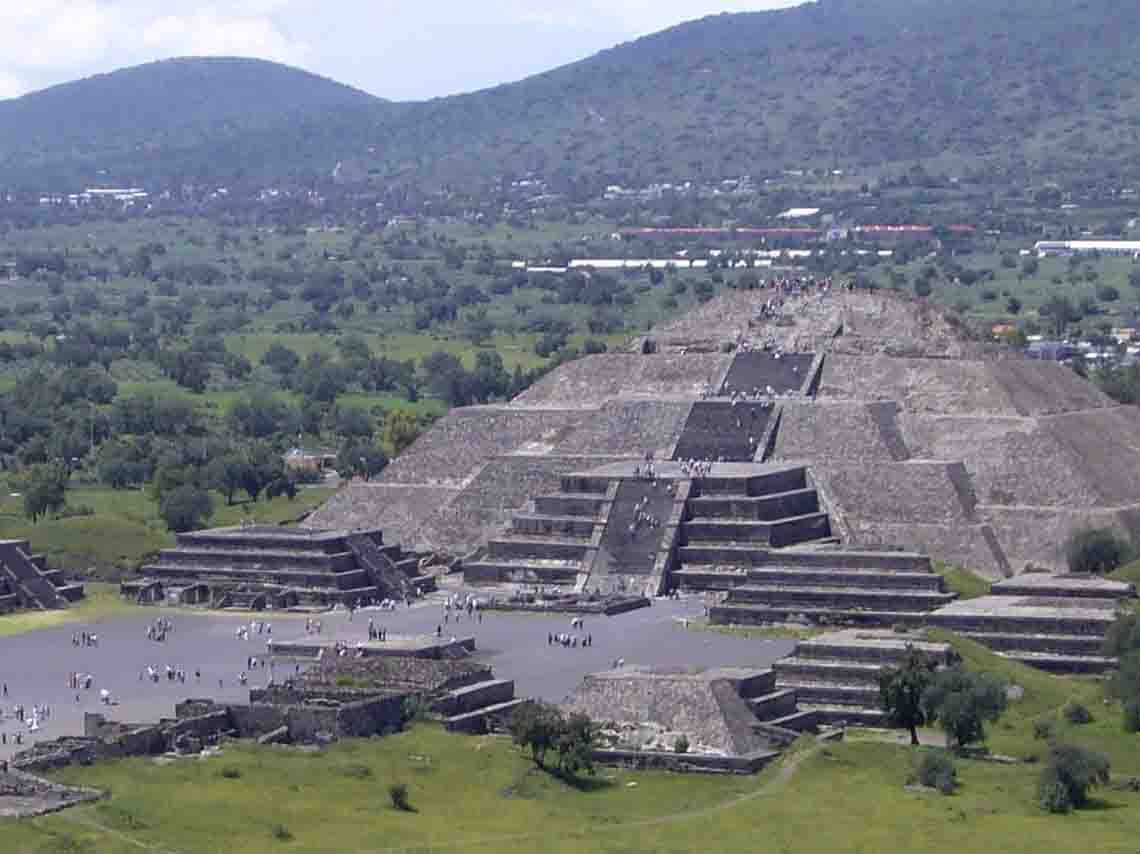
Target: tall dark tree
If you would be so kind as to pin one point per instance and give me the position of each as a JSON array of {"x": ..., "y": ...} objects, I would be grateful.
[{"x": 901, "y": 690}]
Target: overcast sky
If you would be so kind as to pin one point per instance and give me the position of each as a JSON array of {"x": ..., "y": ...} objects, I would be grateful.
[{"x": 400, "y": 49}]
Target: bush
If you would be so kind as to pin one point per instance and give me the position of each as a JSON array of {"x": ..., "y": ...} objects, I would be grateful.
[
  {"x": 1132, "y": 716},
  {"x": 281, "y": 833},
  {"x": 1043, "y": 730},
  {"x": 1051, "y": 792},
  {"x": 1072, "y": 772},
  {"x": 936, "y": 770},
  {"x": 231, "y": 773},
  {"x": 681, "y": 745},
  {"x": 1097, "y": 550},
  {"x": 962, "y": 702},
  {"x": 398, "y": 794},
  {"x": 1077, "y": 713}
]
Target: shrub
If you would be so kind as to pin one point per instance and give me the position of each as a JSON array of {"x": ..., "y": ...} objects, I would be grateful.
[
  {"x": 962, "y": 702},
  {"x": 231, "y": 773},
  {"x": 681, "y": 745},
  {"x": 1043, "y": 730},
  {"x": 936, "y": 770},
  {"x": 1072, "y": 772},
  {"x": 1097, "y": 550},
  {"x": 398, "y": 794},
  {"x": 281, "y": 833},
  {"x": 1051, "y": 792},
  {"x": 1077, "y": 713},
  {"x": 1132, "y": 716}
]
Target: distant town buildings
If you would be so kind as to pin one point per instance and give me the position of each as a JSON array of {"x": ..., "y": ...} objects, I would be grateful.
[{"x": 1055, "y": 248}]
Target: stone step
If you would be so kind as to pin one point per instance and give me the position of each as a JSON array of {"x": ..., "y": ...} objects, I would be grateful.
[
  {"x": 708, "y": 578},
  {"x": 1055, "y": 663},
  {"x": 764, "y": 508},
  {"x": 783, "y": 532},
  {"x": 1047, "y": 622},
  {"x": 542, "y": 525},
  {"x": 284, "y": 559},
  {"x": 1026, "y": 642},
  {"x": 71, "y": 592},
  {"x": 828, "y": 693},
  {"x": 877, "y": 651},
  {"x": 268, "y": 575},
  {"x": 756, "y": 684},
  {"x": 576, "y": 484},
  {"x": 776, "y": 704},
  {"x": 795, "y": 558},
  {"x": 512, "y": 548},
  {"x": 1063, "y": 586},
  {"x": 570, "y": 504},
  {"x": 827, "y": 670},
  {"x": 868, "y": 716},
  {"x": 800, "y": 720},
  {"x": 764, "y": 615},
  {"x": 840, "y": 597},
  {"x": 862, "y": 578},
  {"x": 475, "y": 721},
  {"x": 521, "y": 572},
  {"x": 476, "y": 696}
]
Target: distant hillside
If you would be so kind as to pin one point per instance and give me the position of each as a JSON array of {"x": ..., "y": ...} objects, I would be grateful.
[
  {"x": 179, "y": 118},
  {"x": 1017, "y": 87}
]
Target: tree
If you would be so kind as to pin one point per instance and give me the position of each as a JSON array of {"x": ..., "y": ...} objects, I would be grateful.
[
  {"x": 1096, "y": 550},
  {"x": 962, "y": 702},
  {"x": 575, "y": 744},
  {"x": 1072, "y": 772},
  {"x": 227, "y": 475},
  {"x": 536, "y": 726},
  {"x": 45, "y": 490},
  {"x": 360, "y": 459},
  {"x": 901, "y": 690},
  {"x": 186, "y": 508},
  {"x": 401, "y": 428}
]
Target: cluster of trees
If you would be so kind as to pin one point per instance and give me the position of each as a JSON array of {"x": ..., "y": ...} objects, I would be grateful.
[
  {"x": 917, "y": 693},
  {"x": 1123, "y": 642},
  {"x": 543, "y": 729}
]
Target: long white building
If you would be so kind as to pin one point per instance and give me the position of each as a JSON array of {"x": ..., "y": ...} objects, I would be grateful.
[{"x": 1052, "y": 248}]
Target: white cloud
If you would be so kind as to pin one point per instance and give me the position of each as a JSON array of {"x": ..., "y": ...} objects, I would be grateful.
[
  {"x": 11, "y": 86},
  {"x": 214, "y": 32}
]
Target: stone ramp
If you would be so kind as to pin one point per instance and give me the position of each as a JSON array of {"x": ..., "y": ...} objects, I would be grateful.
[
  {"x": 630, "y": 544},
  {"x": 827, "y": 431},
  {"x": 754, "y": 372},
  {"x": 1037, "y": 387},
  {"x": 722, "y": 430}
]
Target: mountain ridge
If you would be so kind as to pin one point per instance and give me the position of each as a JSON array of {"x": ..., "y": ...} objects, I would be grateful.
[{"x": 1012, "y": 87}]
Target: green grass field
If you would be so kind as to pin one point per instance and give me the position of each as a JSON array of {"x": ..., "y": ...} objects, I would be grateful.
[
  {"x": 101, "y": 602},
  {"x": 482, "y": 795},
  {"x": 126, "y": 526}
]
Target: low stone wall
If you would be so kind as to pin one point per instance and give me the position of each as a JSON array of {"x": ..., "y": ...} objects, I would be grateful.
[{"x": 708, "y": 763}]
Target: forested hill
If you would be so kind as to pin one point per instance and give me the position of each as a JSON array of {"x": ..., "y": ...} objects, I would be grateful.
[
  {"x": 1048, "y": 87},
  {"x": 217, "y": 118}
]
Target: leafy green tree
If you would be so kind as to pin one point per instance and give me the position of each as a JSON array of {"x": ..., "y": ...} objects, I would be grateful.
[
  {"x": 1071, "y": 774},
  {"x": 359, "y": 458},
  {"x": 45, "y": 490},
  {"x": 1096, "y": 550},
  {"x": 227, "y": 475},
  {"x": 575, "y": 744},
  {"x": 536, "y": 727},
  {"x": 963, "y": 702},
  {"x": 901, "y": 691},
  {"x": 186, "y": 508},
  {"x": 401, "y": 428}
]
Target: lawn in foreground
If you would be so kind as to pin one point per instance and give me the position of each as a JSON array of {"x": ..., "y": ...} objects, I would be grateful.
[{"x": 480, "y": 794}]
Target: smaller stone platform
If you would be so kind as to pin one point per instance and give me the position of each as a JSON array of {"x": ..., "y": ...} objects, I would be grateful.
[
  {"x": 396, "y": 646},
  {"x": 264, "y": 566}
]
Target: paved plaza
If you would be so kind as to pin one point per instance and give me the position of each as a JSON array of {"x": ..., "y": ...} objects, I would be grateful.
[{"x": 37, "y": 667}]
